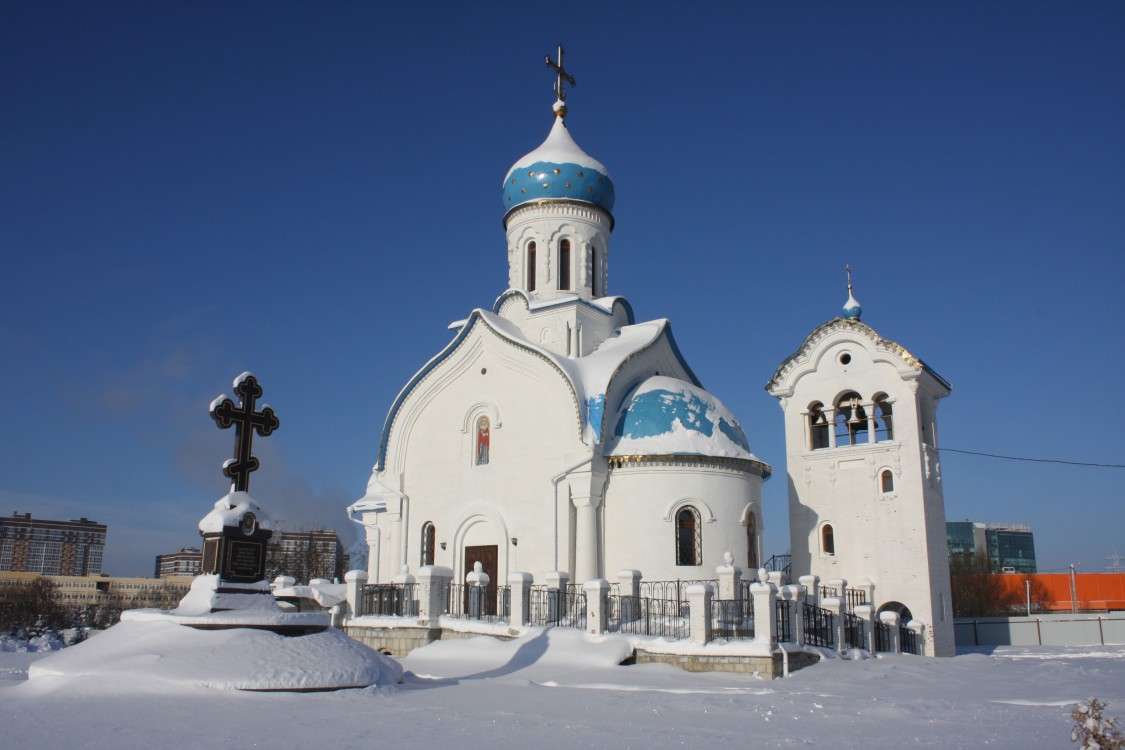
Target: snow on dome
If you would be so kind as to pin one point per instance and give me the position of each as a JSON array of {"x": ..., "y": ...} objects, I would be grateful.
[
  {"x": 667, "y": 416},
  {"x": 228, "y": 511},
  {"x": 558, "y": 170}
]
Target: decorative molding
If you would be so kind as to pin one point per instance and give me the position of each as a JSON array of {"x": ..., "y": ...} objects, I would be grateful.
[{"x": 742, "y": 465}]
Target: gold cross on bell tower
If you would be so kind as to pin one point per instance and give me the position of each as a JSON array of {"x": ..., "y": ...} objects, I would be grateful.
[{"x": 561, "y": 76}]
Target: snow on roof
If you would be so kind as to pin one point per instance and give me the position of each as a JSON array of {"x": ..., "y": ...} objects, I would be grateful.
[
  {"x": 559, "y": 148},
  {"x": 228, "y": 511},
  {"x": 668, "y": 416}
]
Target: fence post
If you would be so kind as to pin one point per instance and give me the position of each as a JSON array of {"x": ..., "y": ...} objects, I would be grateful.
[
  {"x": 596, "y": 592},
  {"x": 890, "y": 619},
  {"x": 841, "y": 586},
  {"x": 699, "y": 596},
  {"x": 729, "y": 576},
  {"x": 812, "y": 589},
  {"x": 866, "y": 613},
  {"x": 433, "y": 590},
  {"x": 765, "y": 613},
  {"x": 520, "y": 584},
  {"x": 795, "y": 597},
  {"x": 867, "y": 586},
  {"x": 557, "y": 581},
  {"x": 354, "y": 581},
  {"x": 835, "y": 605}
]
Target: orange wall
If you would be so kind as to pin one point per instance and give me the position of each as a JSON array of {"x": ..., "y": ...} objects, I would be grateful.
[{"x": 1095, "y": 590}]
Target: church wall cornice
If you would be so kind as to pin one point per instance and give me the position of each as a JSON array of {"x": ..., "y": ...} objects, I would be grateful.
[
  {"x": 740, "y": 465},
  {"x": 556, "y": 208}
]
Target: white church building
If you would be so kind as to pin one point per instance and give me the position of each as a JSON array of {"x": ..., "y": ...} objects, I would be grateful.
[{"x": 555, "y": 432}]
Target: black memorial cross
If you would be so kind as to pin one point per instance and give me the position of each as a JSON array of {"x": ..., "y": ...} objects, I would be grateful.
[{"x": 246, "y": 421}]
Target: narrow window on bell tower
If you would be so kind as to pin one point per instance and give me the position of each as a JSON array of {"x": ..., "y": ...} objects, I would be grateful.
[
  {"x": 531, "y": 267},
  {"x": 564, "y": 264}
]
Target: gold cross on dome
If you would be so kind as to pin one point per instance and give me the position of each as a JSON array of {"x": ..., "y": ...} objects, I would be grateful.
[{"x": 562, "y": 75}]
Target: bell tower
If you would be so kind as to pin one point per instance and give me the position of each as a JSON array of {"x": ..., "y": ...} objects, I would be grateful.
[{"x": 865, "y": 488}]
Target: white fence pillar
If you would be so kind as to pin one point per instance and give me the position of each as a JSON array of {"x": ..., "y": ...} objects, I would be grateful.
[
  {"x": 729, "y": 576},
  {"x": 354, "y": 581},
  {"x": 520, "y": 586},
  {"x": 866, "y": 614},
  {"x": 433, "y": 594},
  {"x": 596, "y": 592},
  {"x": 699, "y": 596},
  {"x": 765, "y": 615},
  {"x": 794, "y": 595},
  {"x": 812, "y": 589},
  {"x": 836, "y": 606}
]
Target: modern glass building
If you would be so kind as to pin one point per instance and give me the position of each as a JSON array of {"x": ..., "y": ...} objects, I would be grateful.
[{"x": 1005, "y": 548}]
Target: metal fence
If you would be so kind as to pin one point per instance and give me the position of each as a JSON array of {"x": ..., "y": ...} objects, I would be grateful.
[
  {"x": 882, "y": 636},
  {"x": 780, "y": 563},
  {"x": 563, "y": 607},
  {"x": 486, "y": 603},
  {"x": 672, "y": 591},
  {"x": 784, "y": 630},
  {"x": 856, "y": 598},
  {"x": 732, "y": 619},
  {"x": 637, "y": 615},
  {"x": 853, "y": 632},
  {"x": 389, "y": 599},
  {"x": 819, "y": 626},
  {"x": 908, "y": 640}
]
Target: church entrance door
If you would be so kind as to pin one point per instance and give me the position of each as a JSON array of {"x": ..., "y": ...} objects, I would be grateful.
[{"x": 488, "y": 555}]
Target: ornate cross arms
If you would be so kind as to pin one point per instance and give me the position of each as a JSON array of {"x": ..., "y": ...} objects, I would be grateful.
[
  {"x": 561, "y": 75},
  {"x": 245, "y": 421}
]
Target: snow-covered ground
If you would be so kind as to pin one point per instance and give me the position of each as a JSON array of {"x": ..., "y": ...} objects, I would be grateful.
[{"x": 560, "y": 689}]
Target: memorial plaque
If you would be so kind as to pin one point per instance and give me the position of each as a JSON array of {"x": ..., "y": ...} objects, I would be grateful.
[
  {"x": 245, "y": 560},
  {"x": 210, "y": 563}
]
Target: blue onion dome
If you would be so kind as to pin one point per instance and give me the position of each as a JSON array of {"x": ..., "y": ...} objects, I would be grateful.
[
  {"x": 559, "y": 170},
  {"x": 668, "y": 416}
]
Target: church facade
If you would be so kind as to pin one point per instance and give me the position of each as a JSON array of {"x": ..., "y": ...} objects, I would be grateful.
[{"x": 556, "y": 434}]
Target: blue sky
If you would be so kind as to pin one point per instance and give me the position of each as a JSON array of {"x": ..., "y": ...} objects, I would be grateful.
[{"x": 312, "y": 192}]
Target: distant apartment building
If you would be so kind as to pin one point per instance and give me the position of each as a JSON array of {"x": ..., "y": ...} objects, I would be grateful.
[
  {"x": 67, "y": 548},
  {"x": 79, "y": 591},
  {"x": 186, "y": 562},
  {"x": 1004, "y": 548},
  {"x": 306, "y": 555}
]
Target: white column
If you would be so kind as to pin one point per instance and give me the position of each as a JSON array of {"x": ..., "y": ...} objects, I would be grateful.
[
  {"x": 830, "y": 415},
  {"x": 586, "y": 541}
]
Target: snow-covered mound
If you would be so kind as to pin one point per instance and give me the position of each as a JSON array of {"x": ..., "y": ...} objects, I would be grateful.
[
  {"x": 34, "y": 645},
  {"x": 137, "y": 654}
]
